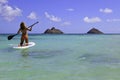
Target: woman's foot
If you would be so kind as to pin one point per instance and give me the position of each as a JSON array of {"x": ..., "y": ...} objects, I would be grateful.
[{"x": 26, "y": 44}]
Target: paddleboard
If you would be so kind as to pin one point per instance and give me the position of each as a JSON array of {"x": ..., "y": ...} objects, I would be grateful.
[{"x": 30, "y": 44}]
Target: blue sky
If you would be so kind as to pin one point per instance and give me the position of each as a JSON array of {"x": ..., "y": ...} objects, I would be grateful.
[{"x": 70, "y": 16}]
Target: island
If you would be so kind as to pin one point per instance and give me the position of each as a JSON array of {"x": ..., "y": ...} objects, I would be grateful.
[
  {"x": 94, "y": 31},
  {"x": 53, "y": 30}
]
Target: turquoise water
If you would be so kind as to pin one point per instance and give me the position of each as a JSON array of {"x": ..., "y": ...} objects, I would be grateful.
[{"x": 61, "y": 57}]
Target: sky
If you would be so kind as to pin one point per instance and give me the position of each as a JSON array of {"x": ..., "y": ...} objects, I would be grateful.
[{"x": 70, "y": 16}]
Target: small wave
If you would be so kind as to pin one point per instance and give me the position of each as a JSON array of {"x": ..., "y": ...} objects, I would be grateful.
[{"x": 107, "y": 59}]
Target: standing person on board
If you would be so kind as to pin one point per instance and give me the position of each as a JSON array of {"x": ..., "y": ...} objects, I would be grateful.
[{"x": 24, "y": 37}]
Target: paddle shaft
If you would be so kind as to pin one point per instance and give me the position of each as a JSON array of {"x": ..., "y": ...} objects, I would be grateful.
[{"x": 33, "y": 24}]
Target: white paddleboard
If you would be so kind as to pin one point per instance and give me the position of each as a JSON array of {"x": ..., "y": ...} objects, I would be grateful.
[{"x": 30, "y": 44}]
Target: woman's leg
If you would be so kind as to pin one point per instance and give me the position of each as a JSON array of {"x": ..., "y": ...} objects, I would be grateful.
[
  {"x": 22, "y": 41},
  {"x": 26, "y": 40}
]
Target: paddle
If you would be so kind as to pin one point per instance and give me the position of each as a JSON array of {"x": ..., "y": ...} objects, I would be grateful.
[{"x": 11, "y": 36}]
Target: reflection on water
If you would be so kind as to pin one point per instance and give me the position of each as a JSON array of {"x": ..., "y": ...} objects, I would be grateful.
[{"x": 25, "y": 52}]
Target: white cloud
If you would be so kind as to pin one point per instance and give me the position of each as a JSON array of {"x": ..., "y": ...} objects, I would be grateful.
[
  {"x": 66, "y": 23},
  {"x": 92, "y": 20},
  {"x": 32, "y": 15},
  {"x": 113, "y": 20},
  {"x": 52, "y": 17},
  {"x": 8, "y": 12},
  {"x": 70, "y": 9},
  {"x": 106, "y": 10},
  {"x": 3, "y": 1}
]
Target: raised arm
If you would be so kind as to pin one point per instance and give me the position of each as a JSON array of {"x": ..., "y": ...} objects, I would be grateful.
[{"x": 18, "y": 31}]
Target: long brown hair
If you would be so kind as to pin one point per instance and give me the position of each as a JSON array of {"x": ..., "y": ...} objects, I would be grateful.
[{"x": 22, "y": 26}]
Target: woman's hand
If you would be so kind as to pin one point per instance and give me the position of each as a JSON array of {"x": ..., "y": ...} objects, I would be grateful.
[{"x": 30, "y": 29}]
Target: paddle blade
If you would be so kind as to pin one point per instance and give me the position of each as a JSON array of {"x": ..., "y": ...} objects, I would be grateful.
[{"x": 11, "y": 36}]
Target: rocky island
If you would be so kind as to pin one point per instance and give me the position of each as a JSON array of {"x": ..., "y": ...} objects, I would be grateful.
[
  {"x": 53, "y": 30},
  {"x": 94, "y": 31}
]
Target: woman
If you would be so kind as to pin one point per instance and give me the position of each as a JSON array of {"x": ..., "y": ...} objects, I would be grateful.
[{"x": 24, "y": 36}]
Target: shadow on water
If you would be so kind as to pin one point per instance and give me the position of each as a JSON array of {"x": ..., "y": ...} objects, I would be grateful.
[
  {"x": 99, "y": 59},
  {"x": 42, "y": 54}
]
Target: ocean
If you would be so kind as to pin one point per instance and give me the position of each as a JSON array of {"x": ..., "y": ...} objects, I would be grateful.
[{"x": 61, "y": 57}]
